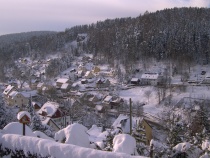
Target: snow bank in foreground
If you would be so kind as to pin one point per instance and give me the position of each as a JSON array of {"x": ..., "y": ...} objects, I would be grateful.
[
  {"x": 17, "y": 128},
  {"x": 124, "y": 143},
  {"x": 53, "y": 149},
  {"x": 74, "y": 134}
]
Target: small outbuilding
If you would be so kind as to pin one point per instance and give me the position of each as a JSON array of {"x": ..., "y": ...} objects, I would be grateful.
[{"x": 135, "y": 81}]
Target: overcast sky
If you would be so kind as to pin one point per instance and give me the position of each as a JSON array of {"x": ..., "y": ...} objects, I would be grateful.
[{"x": 56, "y": 15}]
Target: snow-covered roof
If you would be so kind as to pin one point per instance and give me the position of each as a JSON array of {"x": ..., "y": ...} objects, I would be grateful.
[
  {"x": 88, "y": 73},
  {"x": 108, "y": 98},
  {"x": 62, "y": 80},
  {"x": 13, "y": 94},
  {"x": 8, "y": 89},
  {"x": 39, "y": 85},
  {"x": 74, "y": 84},
  {"x": 134, "y": 80},
  {"x": 150, "y": 76},
  {"x": 64, "y": 86},
  {"x": 50, "y": 108},
  {"x": 23, "y": 113},
  {"x": 98, "y": 107},
  {"x": 123, "y": 122},
  {"x": 36, "y": 103},
  {"x": 29, "y": 94}
]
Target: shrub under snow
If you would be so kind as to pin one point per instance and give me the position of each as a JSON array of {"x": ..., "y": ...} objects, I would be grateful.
[
  {"x": 124, "y": 143},
  {"x": 75, "y": 134}
]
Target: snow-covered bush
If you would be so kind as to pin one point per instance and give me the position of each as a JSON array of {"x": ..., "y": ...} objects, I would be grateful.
[
  {"x": 124, "y": 143},
  {"x": 74, "y": 134}
]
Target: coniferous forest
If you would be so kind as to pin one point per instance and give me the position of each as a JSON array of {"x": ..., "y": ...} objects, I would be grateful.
[{"x": 178, "y": 34}]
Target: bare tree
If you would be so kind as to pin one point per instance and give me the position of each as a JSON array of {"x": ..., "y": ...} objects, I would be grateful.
[{"x": 148, "y": 94}]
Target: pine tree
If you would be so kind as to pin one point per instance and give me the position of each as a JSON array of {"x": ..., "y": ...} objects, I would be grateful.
[
  {"x": 3, "y": 115},
  {"x": 36, "y": 124},
  {"x": 30, "y": 108}
]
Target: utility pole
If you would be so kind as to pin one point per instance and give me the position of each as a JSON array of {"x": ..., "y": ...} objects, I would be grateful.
[{"x": 130, "y": 116}]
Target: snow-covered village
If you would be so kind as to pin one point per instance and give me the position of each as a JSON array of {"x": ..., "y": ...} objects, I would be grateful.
[{"x": 121, "y": 88}]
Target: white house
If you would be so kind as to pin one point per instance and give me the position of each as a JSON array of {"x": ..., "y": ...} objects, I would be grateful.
[{"x": 150, "y": 79}]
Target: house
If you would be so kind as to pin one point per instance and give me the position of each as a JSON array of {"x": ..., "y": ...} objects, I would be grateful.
[
  {"x": 75, "y": 86},
  {"x": 150, "y": 79},
  {"x": 102, "y": 83},
  {"x": 89, "y": 75},
  {"x": 72, "y": 76},
  {"x": 135, "y": 81},
  {"x": 8, "y": 90},
  {"x": 142, "y": 131},
  {"x": 93, "y": 100},
  {"x": 84, "y": 81},
  {"x": 40, "y": 85},
  {"x": 206, "y": 79},
  {"x": 96, "y": 69},
  {"x": 112, "y": 102},
  {"x": 80, "y": 73},
  {"x": 30, "y": 94},
  {"x": 36, "y": 106},
  {"x": 16, "y": 98},
  {"x": 48, "y": 121},
  {"x": 61, "y": 81},
  {"x": 50, "y": 113},
  {"x": 107, "y": 99},
  {"x": 99, "y": 108},
  {"x": 116, "y": 102},
  {"x": 82, "y": 68},
  {"x": 34, "y": 83},
  {"x": 65, "y": 87}
]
